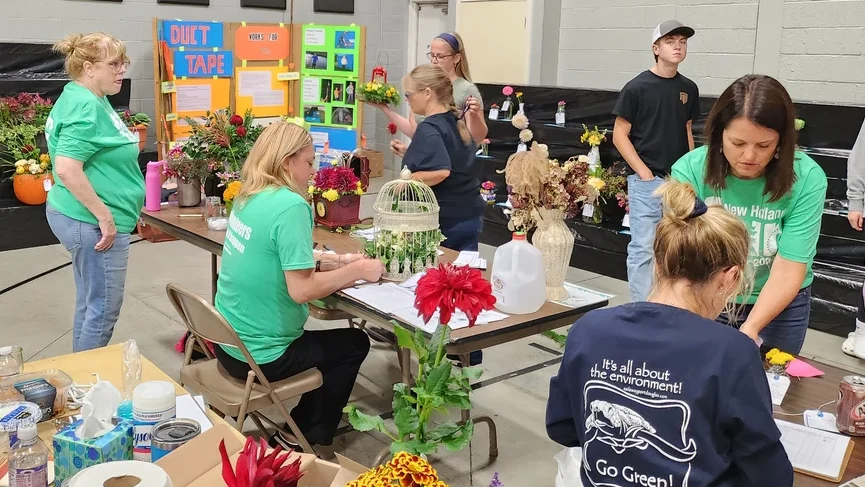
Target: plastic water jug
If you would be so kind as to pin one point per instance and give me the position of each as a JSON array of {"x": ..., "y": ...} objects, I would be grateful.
[
  {"x": 518, "y": 279},
  {"x": 153, "y": 186}
]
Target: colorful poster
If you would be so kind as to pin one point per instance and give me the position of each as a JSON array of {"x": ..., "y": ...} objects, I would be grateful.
[
  {"x": 203, "y": 64},
  {"x": 330, "y": 50},
  {"x": 194, "y": 98},
  {"x": 261, "y": 42},
  {"x": 329, "y": 101},
  {"x": 260, "y": 90},
  {"x": 195, "y": 35}
]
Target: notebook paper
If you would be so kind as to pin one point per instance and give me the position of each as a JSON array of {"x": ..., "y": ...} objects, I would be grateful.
[{"x": 814, "y": 451}]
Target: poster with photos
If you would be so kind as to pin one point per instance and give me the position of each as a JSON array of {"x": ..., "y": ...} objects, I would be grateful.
[
  {"x": 329, "y": 101},
  {"x": 330, "y": 50}
]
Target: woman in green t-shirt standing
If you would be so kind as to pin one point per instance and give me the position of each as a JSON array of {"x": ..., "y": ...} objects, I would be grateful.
[
  {"x": 99, "y": 190},
  {"x": 270, "y": 272},
  {"x": 751, "y": 166},
  {"x": 448, "y": 52}
]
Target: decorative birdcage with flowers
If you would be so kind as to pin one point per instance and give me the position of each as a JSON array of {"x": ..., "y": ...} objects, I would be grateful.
[{"x": 406, "y": 221}]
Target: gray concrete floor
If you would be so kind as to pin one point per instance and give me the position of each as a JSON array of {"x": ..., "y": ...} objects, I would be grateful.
[{"x": 40, "y": 314}]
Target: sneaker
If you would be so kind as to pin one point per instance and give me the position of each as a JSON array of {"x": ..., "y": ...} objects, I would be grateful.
[
  {"x": 847, "y": 346},
  {"x": 859, "y": 340}
]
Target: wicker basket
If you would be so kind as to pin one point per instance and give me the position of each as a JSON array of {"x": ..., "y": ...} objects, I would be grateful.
[{"x": 406, "y": 221}]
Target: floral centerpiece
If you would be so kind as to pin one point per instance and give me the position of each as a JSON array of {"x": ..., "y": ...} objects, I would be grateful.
[
  {"x": 31, "y": 178},
  {"x": 257, "y": 468},
  {"x": 223, "y": 141},
  {"x": 23, "y": 148},
  {"x": 336, "y": 194},
  {"x": 378, "y": 92},
  {"x": 190, "y": 173},
  {"x": 594, "y": 138},
  {"x": 136, "y": 123},
  {"x": 440, "y": 294}
]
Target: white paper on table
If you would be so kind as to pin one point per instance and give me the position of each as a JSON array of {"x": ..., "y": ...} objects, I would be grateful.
[
  {"x": 314, "y": 37},
  {"x": 471, "y": 259},
  {"x": 411, "y": 282},
  {"x": 194, "y": 98},
  {"x": 458, "y": 319},
  {"x": 249, "y": 83},
  {"x": 193, "y": 408},
  {"x": 778, "y": 385},
  {"x": 311, "y": 90},
  {"x": 812, "y": 450},
  {"x": 386, "y": 297},
  {"x": 581, "y": 296}
]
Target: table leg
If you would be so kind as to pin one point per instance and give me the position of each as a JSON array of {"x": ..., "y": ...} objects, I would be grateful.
[
  {"x": 214, "y": 276},
  {"x": 465, "y": 415}
]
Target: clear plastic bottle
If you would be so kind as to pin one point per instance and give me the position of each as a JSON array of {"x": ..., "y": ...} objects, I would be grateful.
[
  {"x": 9, "y": 365},
  {"x": 28, "y": 460}
]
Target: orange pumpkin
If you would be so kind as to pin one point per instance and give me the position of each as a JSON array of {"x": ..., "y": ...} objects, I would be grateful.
[
  {"x": 29, "y": 188},
  {"x": 141, "y": 130}
]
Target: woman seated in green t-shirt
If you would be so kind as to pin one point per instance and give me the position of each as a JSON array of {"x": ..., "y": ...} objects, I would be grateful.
[
  {"x": 269, "y": 273},
  {"x": 99, "y": 190},
  {"x": 751, "y": 166}
]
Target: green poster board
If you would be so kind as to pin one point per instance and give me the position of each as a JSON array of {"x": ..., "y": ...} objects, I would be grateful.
[
  {"x": 330, "y": 50},
  {"x": 330, "y": 101}
]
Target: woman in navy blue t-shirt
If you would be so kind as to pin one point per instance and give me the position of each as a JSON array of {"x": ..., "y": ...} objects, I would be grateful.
[
  {"x": 441, "y": 155},
  {"x": 657, "y": 392}
]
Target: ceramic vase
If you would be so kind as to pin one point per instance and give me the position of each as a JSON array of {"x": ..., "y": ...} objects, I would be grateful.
[
  {"x": 556, "y": 242},
  {"x": 594, "y": 157}
]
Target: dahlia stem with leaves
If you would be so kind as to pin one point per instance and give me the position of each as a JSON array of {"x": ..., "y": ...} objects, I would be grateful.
[{"x": 437, "y": 388}]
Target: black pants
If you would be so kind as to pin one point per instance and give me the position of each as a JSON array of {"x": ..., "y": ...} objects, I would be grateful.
[{"x": 337, "y": 354}]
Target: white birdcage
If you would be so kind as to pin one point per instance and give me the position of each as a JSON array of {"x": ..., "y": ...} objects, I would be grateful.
[{"x": 406, "y": 221}]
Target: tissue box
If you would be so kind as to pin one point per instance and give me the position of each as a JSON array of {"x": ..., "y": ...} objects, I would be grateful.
[{"x": 72, "y": 454}]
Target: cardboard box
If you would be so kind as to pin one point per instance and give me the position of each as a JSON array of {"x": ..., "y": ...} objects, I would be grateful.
[
  {"x": 376, "y": 162},
  {"x": 198, "y": 464},
  {"x": 72, "y": 454}
]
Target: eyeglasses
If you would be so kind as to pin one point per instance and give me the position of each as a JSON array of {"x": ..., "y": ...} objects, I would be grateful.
[
  {"x": 117, "y": 66},
  {"x": 437, "y": 57},
  {"x": 408, "y": 94}
]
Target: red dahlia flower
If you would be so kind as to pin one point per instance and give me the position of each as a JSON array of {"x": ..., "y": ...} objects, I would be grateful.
[
  {"x": 449, "y": 288},
  {"x": 257, "y": 469},
  {"x": 391, "y": 128},
  {"x": 241, "y": 131},
  {"x": 236, "y": 120}
]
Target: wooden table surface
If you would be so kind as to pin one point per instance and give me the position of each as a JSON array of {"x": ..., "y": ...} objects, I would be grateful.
[
  {"x": 811, "y": 394},
  {"x": 551, "y": 316},
  {"x": 107, "y": 363}
]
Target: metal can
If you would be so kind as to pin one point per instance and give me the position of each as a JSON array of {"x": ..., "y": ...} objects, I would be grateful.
[
  {"x": 850, "y": 417},
  {"x": 171, "y": 434}
]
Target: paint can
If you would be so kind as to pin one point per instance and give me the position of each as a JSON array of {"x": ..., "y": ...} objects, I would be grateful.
[
  {"x": 171, "y": 434},
  {"x": 850, "y": 417}
]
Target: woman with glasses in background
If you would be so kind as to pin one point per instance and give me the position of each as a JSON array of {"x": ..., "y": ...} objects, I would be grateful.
[{"x": 448, "y": 52}]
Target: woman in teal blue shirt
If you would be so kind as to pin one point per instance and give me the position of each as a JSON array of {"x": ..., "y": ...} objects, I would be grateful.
[{"x": 270, "y": 272}]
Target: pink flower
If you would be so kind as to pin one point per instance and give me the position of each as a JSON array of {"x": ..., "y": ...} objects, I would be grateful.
[{"x": 507, "y": 91}]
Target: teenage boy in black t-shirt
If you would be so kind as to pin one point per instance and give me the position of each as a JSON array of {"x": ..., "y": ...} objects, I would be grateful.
[{"x": 653, "y": 129}]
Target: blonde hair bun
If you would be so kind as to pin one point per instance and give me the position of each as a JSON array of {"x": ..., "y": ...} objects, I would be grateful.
[
  {"x": 79, "y": 49},
  {"x": 66, "y": 46}
]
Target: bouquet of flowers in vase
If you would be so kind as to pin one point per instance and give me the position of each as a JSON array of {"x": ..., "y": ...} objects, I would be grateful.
[
  {"x": 536, "y": 181},
  {"x": 593, "y": 137},
  {"x": 333, "y": 182},
  {"x": 223, "y": 141},
  {"x": 179, "y": 165},
  {"x": 378, "y": 92}
]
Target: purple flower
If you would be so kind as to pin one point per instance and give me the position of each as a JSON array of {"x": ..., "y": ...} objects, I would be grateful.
[{"x": 495, "y": 482}]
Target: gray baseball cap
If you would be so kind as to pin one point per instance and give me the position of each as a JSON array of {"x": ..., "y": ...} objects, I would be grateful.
[{"x": 668, "y": 27}]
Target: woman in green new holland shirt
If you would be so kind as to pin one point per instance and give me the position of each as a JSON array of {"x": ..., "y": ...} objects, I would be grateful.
[
  {"x": 751, "y": 166},
  {"x": 99, "y": 188},
  {"x": 270, "y": 272}
]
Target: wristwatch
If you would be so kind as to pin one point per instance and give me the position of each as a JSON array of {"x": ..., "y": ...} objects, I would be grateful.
[{"x": 318, "y": 266}]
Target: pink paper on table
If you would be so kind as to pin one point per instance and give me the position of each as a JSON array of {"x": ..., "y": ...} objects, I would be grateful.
[{"x": 800, "y": 368}]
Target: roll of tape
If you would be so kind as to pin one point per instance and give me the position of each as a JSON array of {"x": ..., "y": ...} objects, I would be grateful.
[{"x": 121, "y": 474}]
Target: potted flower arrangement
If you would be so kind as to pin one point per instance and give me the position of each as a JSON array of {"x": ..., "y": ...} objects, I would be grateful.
[
  {"x": 137, "y": 123},
  {"x": 488, "y": 192},
  {"x": 508, "y": 105},
  {"x": 223, "y": 141},
  {"x": 378, "y": 92},
  {"x": 543, "y": 193},
  {"x": 22, "y": 128},
  {"x": 32, "y": 177},
  {"x": 189, "y": 172},
  {"x": 520, "y": 104},
  {"x": 257, "y": 468},
  {"x": 336, "y": 197},
  {"x": 593, "y": 137},
  {"x": 440, "y": 293}
]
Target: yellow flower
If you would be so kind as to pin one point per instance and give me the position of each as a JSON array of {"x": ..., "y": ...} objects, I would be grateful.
[
  {"x": 594, "y": 140},
  {"x": 777, "y": 357},
  {"x": 359, "y": 189},
  {"x": 231, "y": 191},
  {"x": 330, "y": 195},
  {"x": 597, "y": 183},
  {"x": 21, "y": 162},
  {"x": 44, "y": 158},
  {"x": 310, "y": 189},
  {"x": 43, "y": 165},
  {"x": 20, "y": 170}
]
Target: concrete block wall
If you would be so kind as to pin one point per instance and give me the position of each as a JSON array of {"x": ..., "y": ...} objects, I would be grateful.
[
  {"x": 815, "y": 47},
  {"x": 48, "y": 20}
]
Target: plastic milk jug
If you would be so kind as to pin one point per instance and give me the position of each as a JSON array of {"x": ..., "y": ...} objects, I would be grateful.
[
  {"x": 152, "y": 402},
  {"x": 518, "y": 279}
]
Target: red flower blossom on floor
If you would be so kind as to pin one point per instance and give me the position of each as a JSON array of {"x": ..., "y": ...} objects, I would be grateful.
[
  {"x": 391, "y": 128},
  {"x": 241, "y": 131},
  {"x": 449, "y": 288},
  {"x": 236, "y": 120},
  {"x": 257, "y": 469}
]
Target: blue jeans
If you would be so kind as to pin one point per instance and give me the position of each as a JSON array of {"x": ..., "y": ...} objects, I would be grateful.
[
  {"x": 464, "y": 235},
  {"x": 787, "y": 331},
  {"x": 100, "y": 278},
  {"x": 645, "y": 213}
]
